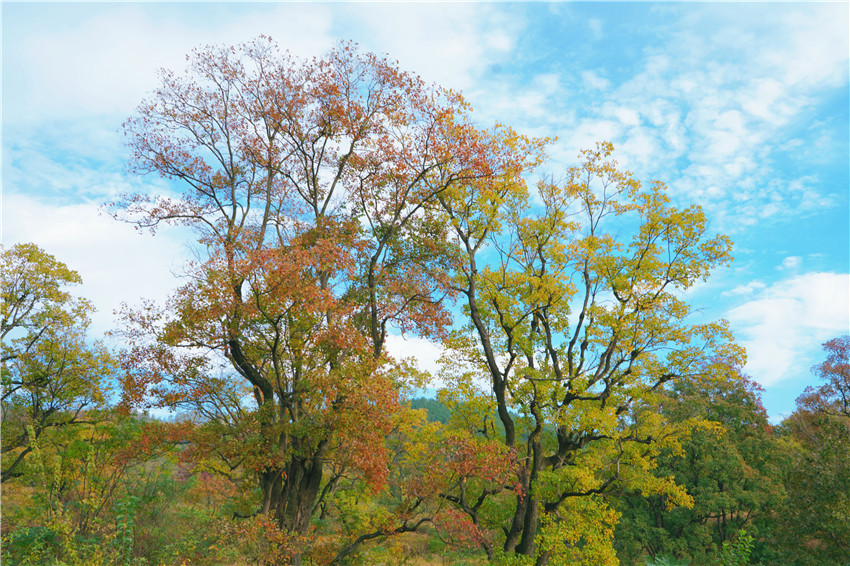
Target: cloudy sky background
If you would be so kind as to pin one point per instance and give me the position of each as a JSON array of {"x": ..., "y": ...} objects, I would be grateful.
[{"x": 741, "y": 108}]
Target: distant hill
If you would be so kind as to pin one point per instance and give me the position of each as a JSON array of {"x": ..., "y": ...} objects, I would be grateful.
[{"x": 437, "y": 412}]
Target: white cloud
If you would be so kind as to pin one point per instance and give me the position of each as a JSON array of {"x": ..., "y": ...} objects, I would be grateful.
[
  {"x": 766, "y": 101},
  {"x": 78, "y": 70},
  {"x": 816, "y": 46},
  {"x": 713, "y": 109},
  {"x": 102, "y": 58},
  {"x": 426, "y": 353},
  {"x": 592, "y": 80},
  {"x": 447, "y": 43},
  {"x": 117, "y": 264},
  {"x": 585, "y": 135},
  {"x": 747, "y": 289},
  {"x": 537, "y": 100},
  {"x": 714, "y": 100},
  {"x": 791, "y": 263},
  {"x": 784, "y": 325}
]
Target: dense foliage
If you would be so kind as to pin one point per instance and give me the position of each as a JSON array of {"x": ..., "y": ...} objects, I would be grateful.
[{"x": 582, "y": 417}]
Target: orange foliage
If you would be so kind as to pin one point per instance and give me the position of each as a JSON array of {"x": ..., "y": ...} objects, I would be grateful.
[{"x": 314, "y": 189}]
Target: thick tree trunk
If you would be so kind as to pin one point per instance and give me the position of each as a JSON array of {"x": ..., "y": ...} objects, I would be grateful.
[
  {"x": 271, "y": 482},
  {"x": 290, "y": 494},
  {"x": 298, "y": 496},
  {"x": 529, "y": 531}
]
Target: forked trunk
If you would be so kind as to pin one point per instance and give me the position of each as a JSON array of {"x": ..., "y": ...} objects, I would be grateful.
[{"x": 523, "y": 530}]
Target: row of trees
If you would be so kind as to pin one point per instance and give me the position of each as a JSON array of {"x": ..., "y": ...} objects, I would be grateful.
[
  {"x": 86, "y": 483},
  {"x": 339, "y": 199}
]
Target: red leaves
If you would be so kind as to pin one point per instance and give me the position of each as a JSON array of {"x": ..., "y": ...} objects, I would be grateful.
[
  {"x": 458, "y": 528},
  {"x": 314, "y": 188},
  {"x": 451, "y": 458},
  {"x": 468, "y": 456},
  {"x": 152, "y": 440}
]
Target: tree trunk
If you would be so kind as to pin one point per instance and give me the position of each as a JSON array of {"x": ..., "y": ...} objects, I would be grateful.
[
  {"x": 513, "y": 535},
  {"x": 290, "y": 494},
  {"x": 526, "y": 520},
  {"x": 299, "y": 493},
  {"x": 532, "y": 509},
  {"x": 271, "y": 483},
  {"x": 529, "y": 531}
]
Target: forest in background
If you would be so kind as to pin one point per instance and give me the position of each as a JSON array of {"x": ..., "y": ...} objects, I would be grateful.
[{"x": 586, "y": 414}]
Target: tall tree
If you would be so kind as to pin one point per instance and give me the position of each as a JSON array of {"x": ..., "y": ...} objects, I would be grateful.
[
  {"x": 308, "y": 185},
  {"x": 51, "y": 375},
  {"x": 576, "y": 319}
]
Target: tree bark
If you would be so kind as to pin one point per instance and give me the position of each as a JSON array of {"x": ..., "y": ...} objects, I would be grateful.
[
  {"x": 290, "y": 493},
  {"x": 299, "y": 493}
]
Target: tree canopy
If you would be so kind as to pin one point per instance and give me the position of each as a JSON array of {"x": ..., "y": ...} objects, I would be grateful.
[
  {"x": 577, "y": 329},
  {"x": 586, "y": 413},
  {"x": 311, "y": 186},
  {"x": 51, "y": 375}
]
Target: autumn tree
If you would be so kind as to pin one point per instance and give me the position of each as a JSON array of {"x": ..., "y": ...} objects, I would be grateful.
[
  {"x": 576, "y": 322},
  {"x": 309, "y": 185},
  {"x": 52, "y": 376}
]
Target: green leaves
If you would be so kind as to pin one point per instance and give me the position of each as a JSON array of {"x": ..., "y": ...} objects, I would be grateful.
[
  {"x": 35, "y": 298},
  {"x": 726, "y": 457},
  {"x": 51, "y": 375},
  {"x": 816, "y": 516},
  {"x": 737, "y": 552}
]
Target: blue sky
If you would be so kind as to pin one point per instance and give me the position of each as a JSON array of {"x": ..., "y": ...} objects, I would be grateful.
[{"x": 741, "y": 108}]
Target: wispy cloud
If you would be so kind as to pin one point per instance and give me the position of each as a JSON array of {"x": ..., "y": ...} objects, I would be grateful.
[
  {"x": 452, "y": 44},
  {"x": 739, "y": 107},
  {"x": 746, "y": 289},
  {"x": 710, "y": 106},
  {"x": 79, "y": 70},
  {"x": 791, "y": 263}
]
